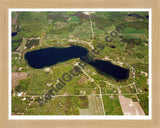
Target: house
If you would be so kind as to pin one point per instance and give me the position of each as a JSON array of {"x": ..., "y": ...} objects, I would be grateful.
[{"x": 19, "y": 94}]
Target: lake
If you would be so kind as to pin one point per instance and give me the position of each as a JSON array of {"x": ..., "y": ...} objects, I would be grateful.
[
  {"x": 107, "y": 68},
  {"x": 14, "y": 34},
  {"x": 50, "y": 56}
]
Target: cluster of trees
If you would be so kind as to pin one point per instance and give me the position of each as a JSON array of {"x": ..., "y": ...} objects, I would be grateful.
[
  {"x": 138, "y": 24},
  {"x": 54, "y": 16},
  {"x": 31, "y": 43},
  {"x": 102, "y": 23},
  {"x": 23, "y": 85},
  {"x": 57, "y": 16},
  {"x": 18, "y": 106},
  {"x": 23, "y": 16},
  {"x": 144, "y": 101},
  {"x": 118, "y": 16},
  {"x": 83, "y": 101},
  {"x": 140, "y": 55},
  {"x": 16, "y": 41},
  {"x": 141, "y": 66},
  {"x": 31, "y": 24},
  {"x": 81, "y": 15},
  {"x": 103, "y": 19},
  {"x": 99, "y": 47},
  {"x": 131, "y": 40}
]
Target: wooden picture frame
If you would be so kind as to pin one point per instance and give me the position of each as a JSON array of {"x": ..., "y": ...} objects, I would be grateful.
[{"x": 4, "y": 66}]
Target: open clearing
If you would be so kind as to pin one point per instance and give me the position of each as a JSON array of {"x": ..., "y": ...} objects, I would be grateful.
[
  {"x": 16, "y": 76},
  {"x": 95, "y": 106},
  {"x": 82, "y": 80},
  {"x": 129, "y": 107}
]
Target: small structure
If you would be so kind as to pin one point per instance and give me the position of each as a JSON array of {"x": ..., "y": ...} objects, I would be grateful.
[
  {"x": 82, "y": 92},
  {"x": 19, "y": 94},
  {"x": 24, "y": 99}
]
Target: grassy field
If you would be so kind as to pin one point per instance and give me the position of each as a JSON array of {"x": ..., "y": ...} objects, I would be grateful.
[
  {"x": 65, "y": 105},
  {"x": 128, "y": 89},
  {"x": 22, "y": 46},
  {"x": 129, "y": 30},
  {"x": 144, "y": 101},
  {"x": 74, "y": 19},
  {"x": 112, "y": 105}
]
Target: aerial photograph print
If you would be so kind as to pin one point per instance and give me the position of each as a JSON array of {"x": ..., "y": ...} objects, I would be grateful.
[{"x": 79, "y": 63}]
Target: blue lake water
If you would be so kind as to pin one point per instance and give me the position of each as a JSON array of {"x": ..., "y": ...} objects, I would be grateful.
[
  {"x": 50, "y": 56},
  {"x": 107, "y": 68},
  {"x": 14, "y": 34}
]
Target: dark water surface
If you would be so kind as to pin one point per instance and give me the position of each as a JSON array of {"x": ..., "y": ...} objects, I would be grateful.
[
  {"x": 51, "y": 56},
  {"x": 107, "y": 68},
  {"x": 14, "y": 34}
]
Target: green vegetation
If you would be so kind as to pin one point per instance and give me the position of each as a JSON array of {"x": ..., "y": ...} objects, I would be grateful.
[
  {"x": 13, "y": 14},
  {"x": 16, "y": 41},
  {"x": 74, "y": 19},
  {"x": 128, "y": 89},
  {"x": 141, "y": 81},
  {"x": 18, "y": 106},
  {"x": 70, "y": 12},
  {"x": 23, "y": 85},
  {"x": 141, "y": 66},
  {"x": 144, "y": 101},
  {"x": 140, "y": 55},
  {"x": 138, "y": 24},
  {"x": 131, "y": 40},
  {"x": 130, "y": 30},
  {"x": 68, "y": 105},
  {"x": 66, "y": 29},
  {"x": 63, "y": 29},
  {"x": 112, "y": 105},
  {"x": 17, "y": 63},
  {"x": 38, "y": 82},
  {"x": 31, "y": 23},
  {"x": 102, "y": 23},
  {"x": 32, "y": 42}
]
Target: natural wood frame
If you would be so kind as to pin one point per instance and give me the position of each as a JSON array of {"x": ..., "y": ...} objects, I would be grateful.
[{"x": 6, "y": 4}]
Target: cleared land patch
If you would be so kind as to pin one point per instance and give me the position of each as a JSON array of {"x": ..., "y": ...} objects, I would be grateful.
[
  {"x": 82, "y": 80},
  {"x": 95, "y": 106},
  {"x": 16, "y": 76},
  {"x": 129, "y": 107}
]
